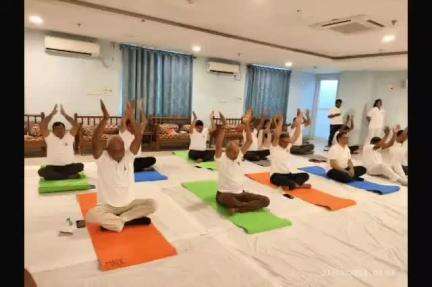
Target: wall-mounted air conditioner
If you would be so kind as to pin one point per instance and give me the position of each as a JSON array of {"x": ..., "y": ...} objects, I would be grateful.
[
  {"x": 350, "y": 25},
  {"x": 71, "y": 47},
  {"x": 224, "y": 68}
]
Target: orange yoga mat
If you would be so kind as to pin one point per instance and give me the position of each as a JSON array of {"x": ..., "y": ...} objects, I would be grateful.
[
  {"x": 134, "y": 245},
  {"x": 310, "y": 195}
]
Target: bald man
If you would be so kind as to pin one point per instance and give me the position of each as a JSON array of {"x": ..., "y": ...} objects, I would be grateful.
[
  {"x": 117, "y": 205},
  {"x": 231, "y": 193}
]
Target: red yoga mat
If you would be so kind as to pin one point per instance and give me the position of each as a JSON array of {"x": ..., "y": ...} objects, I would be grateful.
[
  {"x": 134, "y": 245},
  {"x": 310, "y": 195}
]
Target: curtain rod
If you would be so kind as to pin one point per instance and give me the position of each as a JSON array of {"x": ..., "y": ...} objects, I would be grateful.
[{"x": 157, "y": 49}]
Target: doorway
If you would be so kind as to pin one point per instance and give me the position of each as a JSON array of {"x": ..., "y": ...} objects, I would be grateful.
[{"x": 324, "y": 100}]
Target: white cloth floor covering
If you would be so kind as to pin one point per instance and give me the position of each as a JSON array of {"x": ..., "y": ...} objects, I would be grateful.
[{"x": 363, "y": 245}]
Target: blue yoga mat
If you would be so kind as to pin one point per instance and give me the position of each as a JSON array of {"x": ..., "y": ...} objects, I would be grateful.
[
  {"x": 149, "y": 176},
  {"x": 366, "y": 185}
]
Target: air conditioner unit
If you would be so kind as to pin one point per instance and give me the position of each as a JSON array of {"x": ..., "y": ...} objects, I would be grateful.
[
  {"x": 225, "y": 68},
  {"x": 69, "y": 46},
  {"x": 350, "y": 25}
]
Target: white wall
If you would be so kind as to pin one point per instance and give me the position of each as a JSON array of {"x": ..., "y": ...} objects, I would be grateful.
[
  {"x": 358, "y": 90},
  {"x": 67, "y": 80},
  {"x": 301, "y": 95},
  {"x": 211, "y": 91}
]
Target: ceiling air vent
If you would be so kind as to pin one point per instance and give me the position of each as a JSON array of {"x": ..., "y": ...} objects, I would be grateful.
[{"x": 351, "y": 25}]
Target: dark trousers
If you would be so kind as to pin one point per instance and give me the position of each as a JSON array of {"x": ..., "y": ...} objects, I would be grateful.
[
  {"x": 353, "y": 148},
  {"x": 291, "y": 180},
  {"x": 56, "y": 172},
  {"x": 345, "y": 177},
  {"x": 244, "y": 201},
  {"x": 256, "y": 155},
  {"x": 302, "y": 149},
  {"x": 333, "y": 130},
  {"x": 204, "y": 155},
  {"x": 141, "y": 163}
]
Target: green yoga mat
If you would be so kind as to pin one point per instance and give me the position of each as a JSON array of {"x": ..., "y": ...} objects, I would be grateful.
[
  {"x": 251, "y": 222},
  {"x": 51, "y": 186},
  {"x": 184, "y": 155}
]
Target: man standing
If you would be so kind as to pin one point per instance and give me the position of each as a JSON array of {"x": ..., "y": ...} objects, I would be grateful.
[{"x": 336, "y": 122}]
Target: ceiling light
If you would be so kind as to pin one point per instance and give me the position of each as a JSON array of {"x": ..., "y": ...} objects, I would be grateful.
[
  {"x": 36, "y": 20},
  {"x": 196, "y": 48},
  {"x": 288, "y": 64},
  {"x": 388, "y": 38}
]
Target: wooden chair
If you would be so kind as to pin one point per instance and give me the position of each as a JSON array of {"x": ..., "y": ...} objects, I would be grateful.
[
  {"x": 33, "y": 139},
  {"x": 162, "y": 139},
  {"x": 234, "y": 132},
  {"x": 87, "y": 124}
]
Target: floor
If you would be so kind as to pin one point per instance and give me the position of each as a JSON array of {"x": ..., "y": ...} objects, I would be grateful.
[{"x": 363, "y": 245}]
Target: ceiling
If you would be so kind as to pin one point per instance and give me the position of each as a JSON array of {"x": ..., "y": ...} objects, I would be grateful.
[{"x": 269, "y": 32}]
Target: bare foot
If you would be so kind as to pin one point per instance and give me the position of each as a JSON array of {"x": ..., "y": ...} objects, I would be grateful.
[{"x": 307, "y": 185}]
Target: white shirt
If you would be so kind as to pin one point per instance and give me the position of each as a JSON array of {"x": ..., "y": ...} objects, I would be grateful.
[
  {"x": 371, "y": 156},
  {"x": 60, "y": 150},
  {"x": 127, "y": 138},
  {"x": 398, "y": 153},
  {"x": 198, "y": 140},
  {"x": 115, "y": 182},
  {"x": 377, "y": 118},
  {"x": 280, "y": 159},
  {"x": 254, "y": 146},
  {"x": 340, "y": 155},
  {"x": 230, "y": 174},
  {"x": 338, "y": 119},
  {"x": 299, "y": 140}
]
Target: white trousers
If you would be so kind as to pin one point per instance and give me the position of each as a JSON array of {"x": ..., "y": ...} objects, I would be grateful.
[
  {"x": 114, "y": 218},
  {"x": 384, "y": 169}
]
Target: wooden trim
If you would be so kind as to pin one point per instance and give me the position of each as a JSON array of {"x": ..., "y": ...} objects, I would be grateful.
[{"x": 217, "y": 33}]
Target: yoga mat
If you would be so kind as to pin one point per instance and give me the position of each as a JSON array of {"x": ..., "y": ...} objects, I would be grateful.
[
  {"x": 207, "y": 164},
  {"x": 134, "y": 245},
  {"x": 366, "y": 185},
  {"x": 149, "y": 176},
  {"x": 52, "y": 186},
  {"x": 310, "y": 195},
  {"x": 251, "y": 222}
]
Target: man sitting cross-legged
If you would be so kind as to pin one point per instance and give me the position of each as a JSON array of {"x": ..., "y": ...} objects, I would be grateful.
[
  {"x": 117, "y": 205},
  {"x": 373, "y": 161},
  {"x": 256, "y": 152},
  {"x": 280, "y": 157},
  {"x": 342, "y": 168},
  {"x": 126, "y": 133},
  {"x": 231, "y": 192},
  {"x": 298, "y": 147},
  {"x": 198, "y": 140},
  {"x": 60, "y": 152},
  {"x": 398, "y": 154}
]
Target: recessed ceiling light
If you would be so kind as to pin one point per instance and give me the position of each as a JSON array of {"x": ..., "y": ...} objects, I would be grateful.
[
  {"x": 288, "y": 64},
  {"x": 36, "y": 20},
  {"x": 196, "y": 48},
  {"x": 388, "y": 38}
]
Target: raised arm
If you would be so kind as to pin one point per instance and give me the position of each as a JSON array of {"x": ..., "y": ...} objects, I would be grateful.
[
  {"x": 278, "y": 130},
  {"x": 74, "y": 124},
  {"x": 192, "y": 128},
  {"x": 220, "y": 137},
  {"x": 212, "y": 122},
  {"x": 297, "y": 128},
  {"x": 261, "y": 123},
  {"x": 97, "y": 142},
  {"x": 307, "y": 121},
  {"x": 44, "y": 123},
  {"x": 246, "y": 121},
  {"x": 383, "y": 143},
  {"x": 136, "y": 143},
  {"x": 350, "y": 122}
]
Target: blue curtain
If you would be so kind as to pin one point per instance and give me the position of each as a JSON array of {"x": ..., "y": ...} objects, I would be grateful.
[
  {"x": 267, "y": 90},
  {"x": 160, "y": 81}
]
